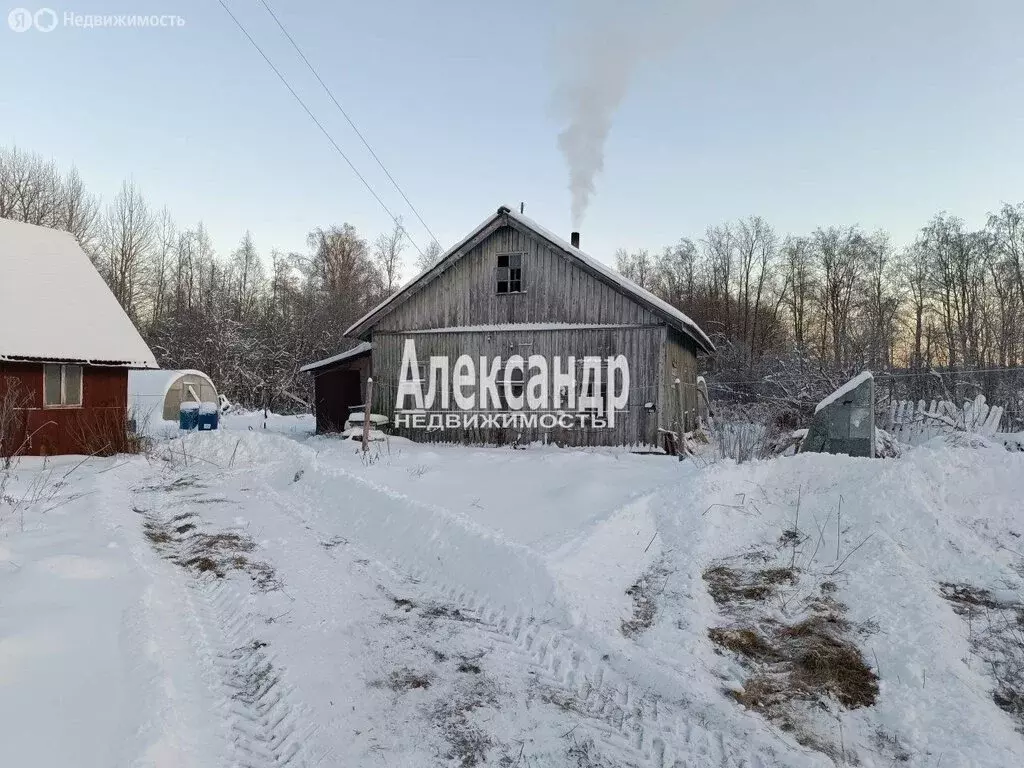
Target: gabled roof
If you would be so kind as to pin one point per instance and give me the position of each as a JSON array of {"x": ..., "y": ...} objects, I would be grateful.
[
  {"x": 55, "y": 307},
  {"x": 672, "y": 316},
  {"x": 356, "y": 351}
]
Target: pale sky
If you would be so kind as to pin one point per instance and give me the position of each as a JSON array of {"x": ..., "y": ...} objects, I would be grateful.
[{"x": 807, "y": 112}]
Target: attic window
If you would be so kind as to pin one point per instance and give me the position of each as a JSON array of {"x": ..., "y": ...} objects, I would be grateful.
[
  {"x": 510, "y": 273},
  {"x": 62, "y": 386}
]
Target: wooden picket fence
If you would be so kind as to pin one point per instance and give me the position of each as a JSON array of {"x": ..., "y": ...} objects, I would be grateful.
[{"x": 915, "y": 423}]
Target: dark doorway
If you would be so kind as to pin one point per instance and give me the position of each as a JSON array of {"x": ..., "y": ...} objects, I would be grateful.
[{"x": 337, "y": 392}]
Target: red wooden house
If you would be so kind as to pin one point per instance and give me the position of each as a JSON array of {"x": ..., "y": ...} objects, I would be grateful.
[{"x": 66, "y": 347}]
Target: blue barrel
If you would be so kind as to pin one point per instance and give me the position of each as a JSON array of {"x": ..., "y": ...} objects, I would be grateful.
[
  {"x": 208, "y": 415},
  {"x": 188, "y": 415}
]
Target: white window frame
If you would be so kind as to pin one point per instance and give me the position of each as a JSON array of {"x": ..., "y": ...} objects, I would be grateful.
[
  {"x": 595, "y": 401},
  {"x": 63, "y": 386},
  {"x": 516, "y": 380}
]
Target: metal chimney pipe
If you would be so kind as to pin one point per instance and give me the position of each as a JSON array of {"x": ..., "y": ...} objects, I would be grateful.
[{"x": 574, "y": 238}]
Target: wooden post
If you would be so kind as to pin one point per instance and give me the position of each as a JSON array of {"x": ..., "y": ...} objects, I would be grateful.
[
  {"x": 367, "y": 410},
  {"x": 681, "y": 451}
]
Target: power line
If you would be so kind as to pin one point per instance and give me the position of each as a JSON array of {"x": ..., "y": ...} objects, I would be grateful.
[
  {"x": 881, "y": 375},
  {"x": 319, "y": 125},
  {"x": 362, "y": 138}
]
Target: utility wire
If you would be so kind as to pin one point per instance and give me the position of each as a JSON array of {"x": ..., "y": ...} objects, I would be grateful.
[
  {"x": 362, "y": 138},
  {"x": 319, "y": 125},
  {"x": 879, "y": 374}
]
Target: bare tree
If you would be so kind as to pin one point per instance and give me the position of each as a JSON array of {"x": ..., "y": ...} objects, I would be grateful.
[
  {"x": 128, "y": 241},
  {"x": 1007, "y": 231},
  {"x": 719, "y": 256},
  {"x": 387, "y": 254},
  {"x": 677, "y": 273},
  {"x": 756, "y": 246},
  {"x": 431, "y": 255},
  {"x": 881, "y": 303},
  {"x": 638, "y": 266},
  {"x": 30, "y": 188},
  {"x": 247, "y": 277},
  {"x": 840, "y": 254},
  {"x": 799, "y": 287},
  {"x": 78, "y": 212}
]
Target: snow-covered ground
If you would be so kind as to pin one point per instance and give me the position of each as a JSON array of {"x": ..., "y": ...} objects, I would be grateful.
[{"x": 259, "y": 596}]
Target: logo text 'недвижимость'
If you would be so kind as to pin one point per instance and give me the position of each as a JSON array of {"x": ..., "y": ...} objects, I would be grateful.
[
  {"x": 515, "y": 392},
  {"x": 47, "y": 20}
]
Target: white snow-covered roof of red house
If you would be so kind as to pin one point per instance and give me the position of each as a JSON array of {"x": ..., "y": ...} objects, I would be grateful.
[
  {"x": 55, "y": 307},
  {"x": 674, "y": 317}
]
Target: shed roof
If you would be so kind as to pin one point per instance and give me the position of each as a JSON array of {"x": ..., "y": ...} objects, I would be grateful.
[
  {"x": 674, "y": 317},
  {"x": 55, "y": 307},
  {"x": 356, "y": 351}
]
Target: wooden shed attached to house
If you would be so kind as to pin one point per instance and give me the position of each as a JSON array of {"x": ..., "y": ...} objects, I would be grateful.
[
  {"x": 552, "y": 345},
  {"x": 66, "y": 347},
  {"x": 339, "y": 385}
]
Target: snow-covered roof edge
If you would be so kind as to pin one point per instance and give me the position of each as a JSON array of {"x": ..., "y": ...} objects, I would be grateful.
[
  {"x": 626, "y": 285},
  {"x": 356, "y": 351},
  {"x": 848, "y": 387},
  {"x": 514, "y": 327},
  {"x": 661, "y": 306},
  {"x": 142, "y": 365}
]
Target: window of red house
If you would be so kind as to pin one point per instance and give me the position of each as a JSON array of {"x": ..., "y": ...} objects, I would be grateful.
[{"x": 62, "y": 386}]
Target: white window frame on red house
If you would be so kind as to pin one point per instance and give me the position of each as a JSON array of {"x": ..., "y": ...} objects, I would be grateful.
[{"x": 65, "y": 401}]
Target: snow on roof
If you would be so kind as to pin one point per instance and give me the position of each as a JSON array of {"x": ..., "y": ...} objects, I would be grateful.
[
  {"x": 54, "y": 306},
  {"x": 846, "y": 389},
  {"x": 661, "y": 307},
  {"x": 627, "y": 285},
  {"x": 356, "y": 351},
  {"x": 521, "y": 327}
]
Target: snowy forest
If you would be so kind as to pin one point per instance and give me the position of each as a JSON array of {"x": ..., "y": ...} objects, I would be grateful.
[{"x": 792, "y": 315}]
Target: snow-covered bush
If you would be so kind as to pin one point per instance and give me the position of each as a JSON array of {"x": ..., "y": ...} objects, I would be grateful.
[{"x": 747, "y": 432}]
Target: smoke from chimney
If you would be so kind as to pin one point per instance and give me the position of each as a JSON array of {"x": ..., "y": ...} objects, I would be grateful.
[{"x": 600, "y": 54}]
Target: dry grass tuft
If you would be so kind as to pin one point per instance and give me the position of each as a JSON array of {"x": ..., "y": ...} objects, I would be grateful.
[
  {"x": 811, "y": 662},
  {"x": 180, "y": 540},
  {"x": 404, "y": 679},
  {"x": 468, "y": 744},
  {"x": 644, "y": 594},
  {"x": 745, "y": 642},
  {"x": 734, "y": 585},
  {"x": 996, "y": 634}
]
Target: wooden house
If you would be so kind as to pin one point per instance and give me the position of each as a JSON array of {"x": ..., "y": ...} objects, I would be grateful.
[
  {"x": 66, "y": 347},
  {"x": 511, "y": 291}
]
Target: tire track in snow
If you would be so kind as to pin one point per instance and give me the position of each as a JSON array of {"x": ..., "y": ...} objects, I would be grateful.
[
  {"x": 641, "y": 727},
  {"x": 263, "y": 720}
]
